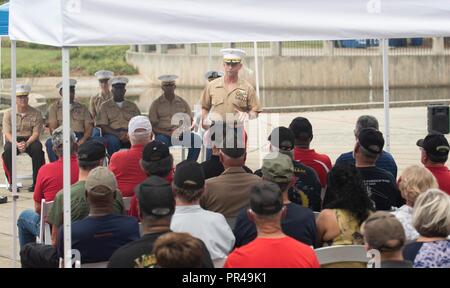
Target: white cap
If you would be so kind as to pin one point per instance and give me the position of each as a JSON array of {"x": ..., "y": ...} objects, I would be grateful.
[
  {"x": 104, "y": 74},
  {"x": 213, "y": 74},
  {"x": 118, "y": 80},
  {"x": 232, "y": 55},
  {"x": 139, "y": 122},
  {"x": 23, "y": 89},
  {"x": 73, "y": 82},
  {"x": 168, "y": 78}
]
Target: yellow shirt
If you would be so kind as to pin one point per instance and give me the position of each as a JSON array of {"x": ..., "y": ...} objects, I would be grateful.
[
  {"x": 79, "y": 115},
  {"x": 28, "y": 123},
  {"x": 219, "y": 101},
  {"x": 116, "y": 117}
]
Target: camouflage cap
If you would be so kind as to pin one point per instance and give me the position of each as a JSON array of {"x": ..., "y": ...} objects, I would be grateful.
[
  {"x": 277, "y": 167},
  {"x": 57, "y": 137}
]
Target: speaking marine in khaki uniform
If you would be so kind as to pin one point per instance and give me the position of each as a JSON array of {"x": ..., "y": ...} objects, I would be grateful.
[
  {"x": 161, "y": 116},
  {"x": 104, "y": 95},
  {"x": 29, "y": 127},
  {"x": 229, "y": 98},
  {"x": 114, "y": 115},
  {"x": 81, "y": 121}
]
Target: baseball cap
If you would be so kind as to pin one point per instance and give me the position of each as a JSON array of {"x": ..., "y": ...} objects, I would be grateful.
[
  {"x": 265, "y": 198},
  {"x": 282, "y": 138},
  {"x": 57, "y": 137},
  {"x": 189, "y": 175},
  {"x": 91, "y": 150},
  {"x": 383, "y": 231},
  {"x": 139, "y": 122},
  {"x": 301, "y": 125},
  {"x": 213, "y": 74},
  {"x": 277, "y": 167},
  {"x": 435, "y": 144},
  {"x": 155, "y": 197},
  {"x": 155, "y": 151},
  {"x": 101, "y": 176},
  {"x": 371, "y": 139}
]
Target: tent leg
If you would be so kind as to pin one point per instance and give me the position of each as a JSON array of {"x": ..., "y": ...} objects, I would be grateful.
[
  {"x": 66, "y": 158},
  {"x": 255, "y": 52},
  {"x": 14, "y": 148},
  {"x": 387, "y": 135}
]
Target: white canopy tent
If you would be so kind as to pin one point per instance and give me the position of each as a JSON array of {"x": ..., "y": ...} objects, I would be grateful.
[{"x": 110, "y": 22}]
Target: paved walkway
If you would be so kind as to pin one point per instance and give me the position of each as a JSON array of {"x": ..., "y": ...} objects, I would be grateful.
[{"x": 333, "y": 134}]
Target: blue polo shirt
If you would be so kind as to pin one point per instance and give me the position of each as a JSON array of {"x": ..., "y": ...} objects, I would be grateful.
[{"x": 385, "y": 162}]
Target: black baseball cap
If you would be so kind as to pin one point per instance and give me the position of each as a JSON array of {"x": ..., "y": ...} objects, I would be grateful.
[
  {"x": 189, "y": 175},
  {"x": 435, "y": 144},
  {"x": 91, "y": 150},
  {"x": 372, "y": 140},
  {"x": 155, "y": 197},
  {"x": 155, "y": 151},
  {"x": 301, "y": 126},
  {"x": 282, "y": 138},
  {"x": 265, "y": 198}
]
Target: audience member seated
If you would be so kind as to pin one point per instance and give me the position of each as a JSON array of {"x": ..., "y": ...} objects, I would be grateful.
[
  {"x": 413, "y": 181},
  {"x": 321, "y": 163},
  {"x": 210, "y": 227},
  {"x": 178, "y": 250},
  {"x": 381, "y": 184},
  {"x": 434, "y": 154},
  {"x": 156, "y": 207},
  {"x": 97, "y": 236},
  {"x": 339, "y": 223},
  {"x": 272, "y": 248},
  {"x": 90, "y": 155},
  {"x": 385, "y": 161},
  {"x": 156, "y": 161},
  {"x": 298, "y": 222},
  {"x": 213, "y": 167},
  {"x": 229, "y": 192},
  {"x": 49, "y": 182},
  {"x": 431, "y": 218},
  {"x": 306, "y": 190},
  {"x": 383, "y": 232},
  {"x": 125, "y": 164}
]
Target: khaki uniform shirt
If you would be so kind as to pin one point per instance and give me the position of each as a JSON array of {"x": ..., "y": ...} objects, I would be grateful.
[
  {"x": 31, "y": 122},
  {"x": 115, "y": 117},
  {"x": 229, "y": 192},
  {"x": 79, "y": 115},
  {"x": 219, "y": 101},
  {"x": 161, "y": 112},
  {"x": 97, "y": 101}
]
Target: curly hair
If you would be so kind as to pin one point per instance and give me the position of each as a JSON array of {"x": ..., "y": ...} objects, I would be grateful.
[
  {"x": 347, "y": 186},
  {"x": 414, "y": 180}
]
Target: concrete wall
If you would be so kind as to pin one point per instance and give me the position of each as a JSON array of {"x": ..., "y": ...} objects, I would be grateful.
[{"x": 315, "y": 72}]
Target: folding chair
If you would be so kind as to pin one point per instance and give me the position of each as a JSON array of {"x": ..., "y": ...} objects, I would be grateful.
[
  {"x": 342, "y": 254},
  {"x": 218, "y": 263},
  {"x": 316, "y": 214},
  {"x": 127, "y": 203},
  {"x": 45, "y": 235}
]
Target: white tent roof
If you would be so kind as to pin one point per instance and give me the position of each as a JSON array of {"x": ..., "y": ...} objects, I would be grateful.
[{"x": 110, "y": 22}]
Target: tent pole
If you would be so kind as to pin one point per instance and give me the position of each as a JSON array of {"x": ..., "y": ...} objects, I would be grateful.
[
  {"x": 209, "y": 56},
  {"x": 66, "y": 158},
  {"x": 258, "y": 134},
  {"x": 387, "y": 136},
  {"x": 14, "y": 148}
]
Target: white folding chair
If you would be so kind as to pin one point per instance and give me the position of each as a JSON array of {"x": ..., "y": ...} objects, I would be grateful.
[
  {"x": 45, "y": 235},
  {"x": 316, "y": 214},
  {"x": 126, "y": 203},
  {"x": 341, "y": 253}
]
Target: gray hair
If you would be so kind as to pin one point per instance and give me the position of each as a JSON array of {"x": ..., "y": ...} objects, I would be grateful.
[
  {"x": 431, "y": 214},
  {"x": 366, "y": 121}
]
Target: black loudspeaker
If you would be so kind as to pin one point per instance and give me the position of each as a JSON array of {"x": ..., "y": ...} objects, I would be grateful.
[{"x": 438, "y": 118}]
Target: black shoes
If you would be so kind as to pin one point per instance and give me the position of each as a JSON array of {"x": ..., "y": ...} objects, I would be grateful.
[
  {"x": 31, "y": 189},
  {"x": 10, "y": 189}
]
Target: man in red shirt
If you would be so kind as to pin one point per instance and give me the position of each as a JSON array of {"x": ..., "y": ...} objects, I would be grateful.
[
  {"x": 125, "y": 163},
  {"x": 434, "y": 154},
  {"x": 49, "y": 181},
  {"x": 272, "y": 248},
  {"x": 321, "y": 163}
]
